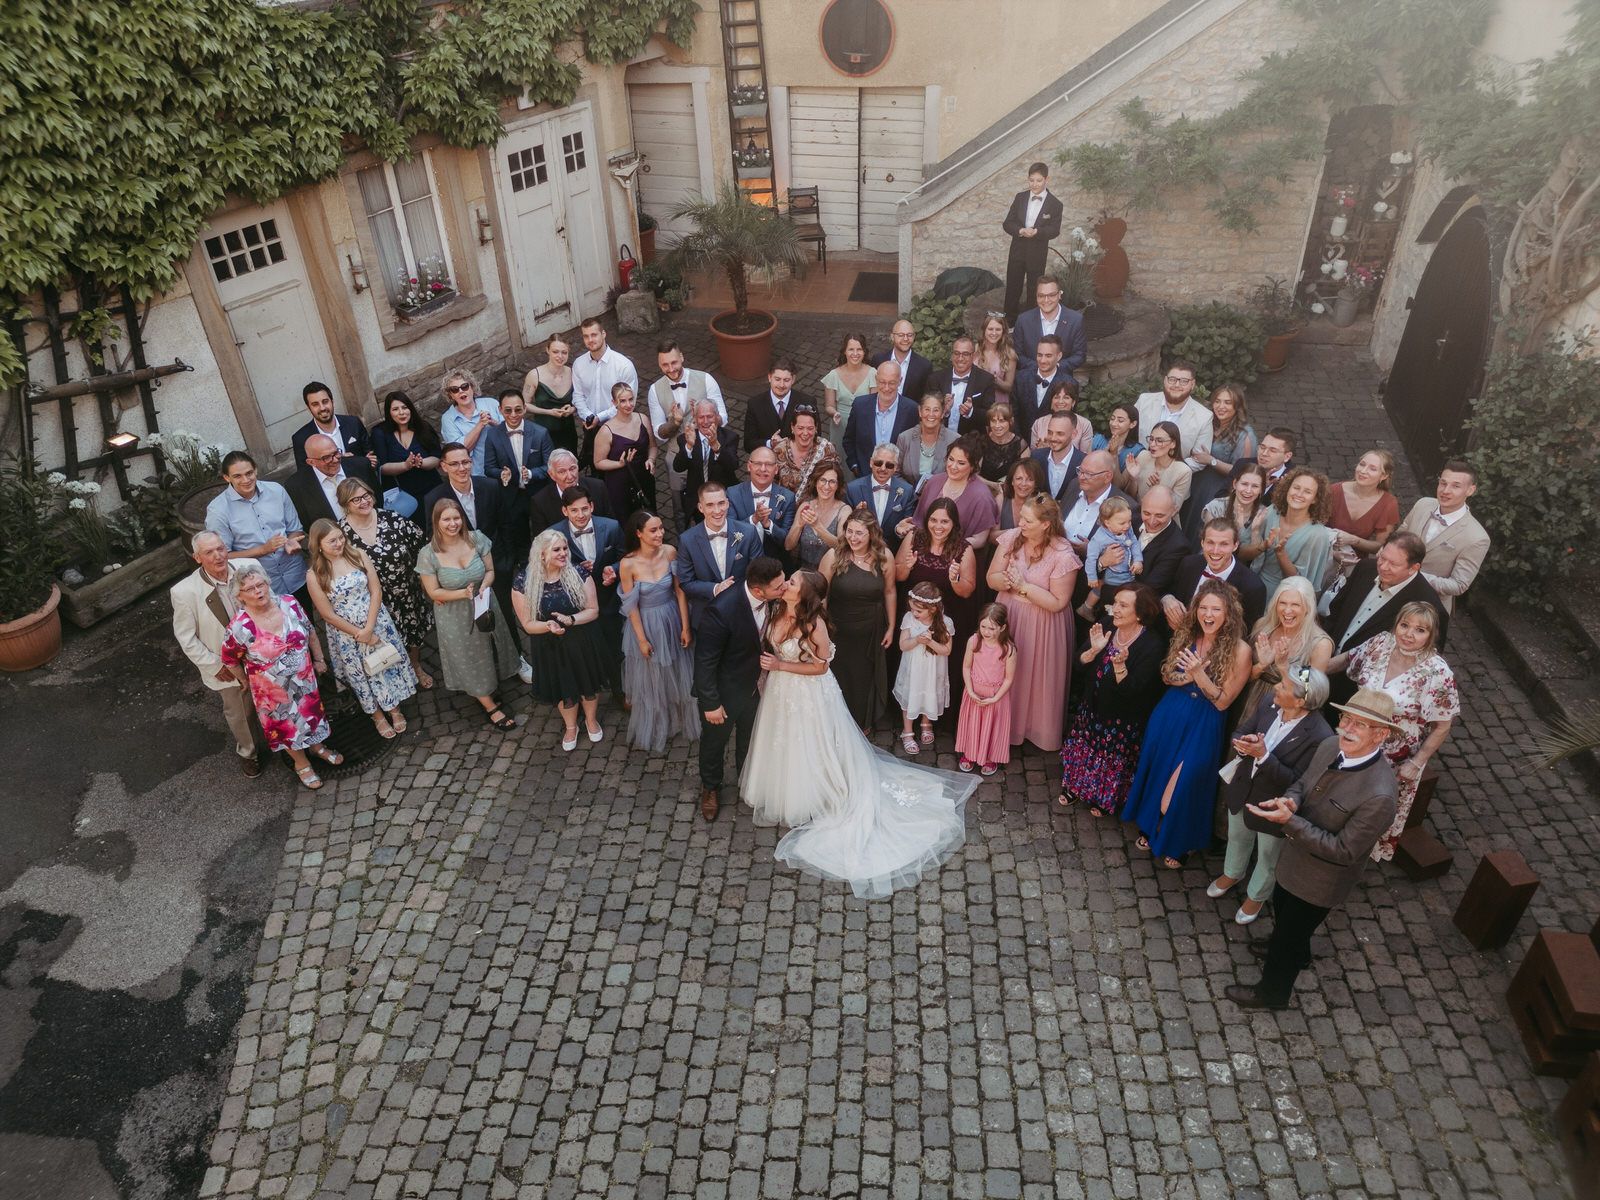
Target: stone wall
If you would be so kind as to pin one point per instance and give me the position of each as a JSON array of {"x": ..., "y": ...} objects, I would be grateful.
[
  {"x": 1179, "y": 254},
  {"x": 485, "y": 359}
]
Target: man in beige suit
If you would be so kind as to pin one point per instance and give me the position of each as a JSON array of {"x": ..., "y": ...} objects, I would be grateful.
[
  {"x": 202, "y": 605},
  {"x": 1457, "y": 543}
]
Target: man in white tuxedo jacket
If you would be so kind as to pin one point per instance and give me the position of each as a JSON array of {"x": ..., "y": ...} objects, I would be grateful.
[
  {"x": 202, "y": 606},
  {"x": 1457, "y": 543}
]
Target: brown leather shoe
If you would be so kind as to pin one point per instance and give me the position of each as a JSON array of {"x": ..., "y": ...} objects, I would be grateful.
[
  {"x": 708, "y": 804},
  {"x": 250, "y": 766}
]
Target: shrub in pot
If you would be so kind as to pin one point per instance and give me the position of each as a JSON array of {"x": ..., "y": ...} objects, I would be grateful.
[
  {"x": 1274, "y": 305},
  {"x": 30, "y": 552},
  {"x": 1222, "y": 341}
]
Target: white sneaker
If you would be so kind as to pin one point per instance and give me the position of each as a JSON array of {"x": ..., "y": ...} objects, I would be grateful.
[{"x": 524, "y": 670}]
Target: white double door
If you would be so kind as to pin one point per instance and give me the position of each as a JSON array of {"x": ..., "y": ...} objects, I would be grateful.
[
  {"x": 862, "y": 148},
  {"x": 551, "y": 189}
]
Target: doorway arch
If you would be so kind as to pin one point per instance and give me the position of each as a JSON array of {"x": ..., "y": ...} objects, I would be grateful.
[{"x": 1439, "y": 364}]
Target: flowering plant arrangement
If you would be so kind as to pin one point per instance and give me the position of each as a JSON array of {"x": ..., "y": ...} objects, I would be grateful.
[
  {"x": 1079, "y": 253},
  {"x": 749, "y": 93},
  {"x": 1344, "y": 195},
  {"x": 429, "y": 283},
  {"x": 752, "y": 156},
  {"x": 1361, "y": 279}
]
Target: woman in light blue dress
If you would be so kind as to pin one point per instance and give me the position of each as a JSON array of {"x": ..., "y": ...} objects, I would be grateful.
[
  {"x": 852, "y": 377},
  {"x": 657, "y": 665},
  {"x": 346, "y": 593},
  {"x": 1295, "y": 536}
]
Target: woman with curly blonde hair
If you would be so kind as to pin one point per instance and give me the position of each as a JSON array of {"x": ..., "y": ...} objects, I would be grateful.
[{"x": 1175, "y": 784}]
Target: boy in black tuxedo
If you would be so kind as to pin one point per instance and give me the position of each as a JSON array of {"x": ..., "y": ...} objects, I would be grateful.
[{"x": 1034, "y": 219}]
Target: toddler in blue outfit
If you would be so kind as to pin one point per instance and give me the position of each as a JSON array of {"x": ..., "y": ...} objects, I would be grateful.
[{"x": 1115, "y": 529}]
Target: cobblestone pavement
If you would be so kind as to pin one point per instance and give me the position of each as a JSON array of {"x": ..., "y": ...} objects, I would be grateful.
[{"x": 493, "y": 970}]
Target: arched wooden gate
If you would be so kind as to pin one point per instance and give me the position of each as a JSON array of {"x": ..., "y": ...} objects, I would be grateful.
[{"x": 1439, "y": 365}]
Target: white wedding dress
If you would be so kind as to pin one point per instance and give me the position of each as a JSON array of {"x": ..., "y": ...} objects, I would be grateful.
[{"x": 861, "y": 816}]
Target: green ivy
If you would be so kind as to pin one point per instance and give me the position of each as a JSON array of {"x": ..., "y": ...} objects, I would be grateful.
[
  {"x": 1357, "y": 52},
  {"x": 1534, "y": 430},
  {"x": 125, "y": 124},
  {"x": 937, "y": 322},
  {"x": 1223, "y": 342}
]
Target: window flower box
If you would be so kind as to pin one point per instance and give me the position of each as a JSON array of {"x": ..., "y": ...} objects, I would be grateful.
[{"x": 415, "y": 312}]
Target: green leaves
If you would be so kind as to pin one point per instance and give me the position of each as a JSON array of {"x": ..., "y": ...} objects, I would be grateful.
[{"x": 1223, "y": 342}]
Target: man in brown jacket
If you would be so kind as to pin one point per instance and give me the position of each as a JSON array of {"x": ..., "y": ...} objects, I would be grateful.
[{"x": 1331, "y": 818}]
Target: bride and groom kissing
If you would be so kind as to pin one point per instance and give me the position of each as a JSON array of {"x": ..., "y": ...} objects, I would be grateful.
[{"x": 856, "y": 814}]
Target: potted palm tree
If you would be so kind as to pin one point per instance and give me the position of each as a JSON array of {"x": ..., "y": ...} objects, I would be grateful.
[{"x": 733, "y": 234}]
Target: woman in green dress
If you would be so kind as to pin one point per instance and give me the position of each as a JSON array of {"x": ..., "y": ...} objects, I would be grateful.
[
  {"x": 456, "y": 567},
  {"x": 547, "y": 391},
  {"x": 1295, "y": 537},
  {"x": 840, "y": 386}
]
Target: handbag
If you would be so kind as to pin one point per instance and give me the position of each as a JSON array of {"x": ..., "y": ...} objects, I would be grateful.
[
  {"x": 484, "y": 621},
  {"x": 380, "y": 658}
]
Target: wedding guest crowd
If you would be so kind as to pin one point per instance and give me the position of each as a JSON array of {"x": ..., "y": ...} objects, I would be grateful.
[{"x": 1152, "y": 593}]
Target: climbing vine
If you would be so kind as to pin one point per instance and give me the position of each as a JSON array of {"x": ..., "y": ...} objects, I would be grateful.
[
  {"x": 124, "y": 124},
  {"x": 1355, "y": 52}
]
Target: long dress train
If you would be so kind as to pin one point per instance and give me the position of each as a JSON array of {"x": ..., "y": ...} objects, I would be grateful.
[{"x": 862, "y": 816}]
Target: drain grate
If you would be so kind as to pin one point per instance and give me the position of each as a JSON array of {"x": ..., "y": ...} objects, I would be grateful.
[{"x": 353, "y": 736}]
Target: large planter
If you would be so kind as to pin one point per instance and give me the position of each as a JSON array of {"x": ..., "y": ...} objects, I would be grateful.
[
  {"x": 756, "y": 108},
  {"x": 1275, "y": 354},
  {"x": 1111, "y": 272},
  {"x": 99, "y": 598},
  {"x": 647, "y": 246},
  {"x": 33, "y": 640},
  {"x": 744, "y": 356},
  {"x": 191, "y": 510}
]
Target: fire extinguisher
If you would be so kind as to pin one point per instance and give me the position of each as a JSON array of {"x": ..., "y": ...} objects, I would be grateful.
[{"x": 625, "y": 265}]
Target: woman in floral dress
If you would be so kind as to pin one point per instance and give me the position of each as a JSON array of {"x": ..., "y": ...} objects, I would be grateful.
[
  {"x": 802, "y": 452},
  {"x": 1406, "y": 663},
  {"x": 391, "y": 542},
  {"x": 344, "y": 588},
  {"x": 272, "y": 649}
]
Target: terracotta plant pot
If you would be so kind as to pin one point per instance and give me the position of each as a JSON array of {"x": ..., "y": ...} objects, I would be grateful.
[
  {"x": 744, "y": 356},
  {"x": 647, "y": 246},
  {"x": 1275, "y": 354},
  {"x": 33, "y": 640}
]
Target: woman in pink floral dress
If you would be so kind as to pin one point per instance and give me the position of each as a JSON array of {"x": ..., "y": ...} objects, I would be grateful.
[
  {"x": 1407, "y": 665},
  {"x": 273, "y": 650}
]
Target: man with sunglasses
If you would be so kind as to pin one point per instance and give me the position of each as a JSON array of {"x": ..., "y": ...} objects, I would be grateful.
[{"x": 889, "y": 497}]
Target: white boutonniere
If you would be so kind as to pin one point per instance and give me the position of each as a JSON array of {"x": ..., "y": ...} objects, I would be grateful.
[{"x": 737, "y": 538}]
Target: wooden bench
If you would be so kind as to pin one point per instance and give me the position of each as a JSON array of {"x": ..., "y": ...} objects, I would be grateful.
[{"x": 1555, "y": 1001}]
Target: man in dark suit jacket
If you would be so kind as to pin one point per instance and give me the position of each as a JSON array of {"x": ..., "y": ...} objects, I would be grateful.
[
  {"x": 765, "y": 504},
  {"x": 1219, "y": 545},
  {"x": 1331, "y": 818},
  {"x": 312, "y": 487},
  {"x": 1374, "y": 594},
  {"x": 970, "y": 388},
  {"x": 487, "y": 511},
  {"x": 862, "y": 432},
  {"x": 885, "y": 492},
  {"x": 1032, "y": 222},
  {"x": 1050, "y": 319},
  {"x": 727, "y": 672},
  {"x": 1165, "y": 547},
  {"x": 1030, "y": 391},
  {"x": 595, "y": 543},
  {"x": 1060, "y": 459},
  {"x": 545, "y": 505},
  {"x": 348, "y": 433},
  {"x": 520, "y": 474},
  {"x": 704, "y": 453},
  {"x": 699, "y": 572},
  {"x": 771, "y": 413},
  {"x": 914, "y": 368}
]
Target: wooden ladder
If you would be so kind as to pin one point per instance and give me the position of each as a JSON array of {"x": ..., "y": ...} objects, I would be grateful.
[{"x": 745, "y": 66}]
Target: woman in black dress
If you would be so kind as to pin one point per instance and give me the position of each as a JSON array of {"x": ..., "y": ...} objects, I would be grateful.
[
  {"x": 1102, "y": 746},
  {"x": 861, "y": 602},
  {"x": 937, "y": 552},
  {"x": 392, "y": 543},
  {"x": 408, "y": 450},
  {"x": 556, "y": 605}
]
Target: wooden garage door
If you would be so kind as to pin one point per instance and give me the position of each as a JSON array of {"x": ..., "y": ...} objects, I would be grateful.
[
  {"x": 663, "y": 131},
  {"x": 824, "y": 152}
]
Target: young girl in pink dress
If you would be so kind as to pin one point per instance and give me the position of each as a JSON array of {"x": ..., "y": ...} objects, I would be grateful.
[{"x": 983, "y": 738}]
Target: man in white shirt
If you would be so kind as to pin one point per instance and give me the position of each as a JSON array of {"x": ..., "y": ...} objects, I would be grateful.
[
  {"x": 672, "y": 399},
  {"x": 765, "y": 503},
  {"x": 1062, "y": 460},
  {"x": 315, "y": 487},
  {"x": 203, "y": 604},
  {"x": 1175, "y": 402},
  {"x": 1095, "y": 474},
  {"x": 1033, "y": 221},
  {"x": 892, "y": 499},
  {"x": 349, "y": 435},
  {"x": 594, "y": 373},
  {"x": 914, "y": 368},
  {"x": 1457, "y": 542}
]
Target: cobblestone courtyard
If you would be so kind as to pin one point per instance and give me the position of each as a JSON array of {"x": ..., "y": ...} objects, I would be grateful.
[{"x": 493, "y": 970}]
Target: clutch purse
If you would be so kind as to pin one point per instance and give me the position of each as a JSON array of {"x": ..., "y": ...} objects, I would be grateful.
[{"x": 380, "y": 658}]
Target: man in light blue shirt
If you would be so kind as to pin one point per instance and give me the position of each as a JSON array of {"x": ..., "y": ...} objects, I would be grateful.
[{"x": 256, "y": 519}]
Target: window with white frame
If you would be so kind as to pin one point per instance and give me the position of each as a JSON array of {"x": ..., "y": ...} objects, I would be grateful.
[{"x": 403, "y": 216}]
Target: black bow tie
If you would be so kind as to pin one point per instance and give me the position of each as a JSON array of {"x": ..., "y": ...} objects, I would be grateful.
[
  {"x": 683, "y": 384},
  {"x": 960, "y": 378},
  {"x": 584, "y": 532}
]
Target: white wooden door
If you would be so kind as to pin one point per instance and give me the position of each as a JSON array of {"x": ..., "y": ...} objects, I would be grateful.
[
  {"x": 549, "y": 186},
  {"x": 261, "y": 282},
  {"x": 824, "y": 152},
  {"x": 891, "y": 160},
  {"x": 664, "y": 134}
]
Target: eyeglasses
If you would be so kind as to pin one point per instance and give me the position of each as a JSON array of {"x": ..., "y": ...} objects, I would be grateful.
[
  {"x": 1049, "y": 295},
  {"x": 331, "y": 456},
  {"x": 1180, "y": 379}
]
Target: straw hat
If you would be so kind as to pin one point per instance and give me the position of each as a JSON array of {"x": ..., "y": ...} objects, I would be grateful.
[{"x": 1371, "y": 705}]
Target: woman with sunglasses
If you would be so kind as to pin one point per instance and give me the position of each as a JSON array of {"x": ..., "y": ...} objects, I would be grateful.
[{"x": 468, "y": 416}]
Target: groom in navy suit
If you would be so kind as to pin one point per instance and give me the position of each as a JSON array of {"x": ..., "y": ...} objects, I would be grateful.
[{"x": 727, "y": 671}]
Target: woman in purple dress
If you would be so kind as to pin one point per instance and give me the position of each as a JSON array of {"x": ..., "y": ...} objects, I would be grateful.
[{"x": 625, "y": 457}]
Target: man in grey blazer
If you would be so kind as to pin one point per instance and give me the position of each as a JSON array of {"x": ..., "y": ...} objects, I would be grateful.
[
  {"x": 1456, "y": 542},
  {"x": 203, "y": 604},
  {"x": 1331, "y": 818}
]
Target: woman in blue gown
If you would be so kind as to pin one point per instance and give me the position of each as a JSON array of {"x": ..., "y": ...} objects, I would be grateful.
[{"x": 1175, "y": 785}]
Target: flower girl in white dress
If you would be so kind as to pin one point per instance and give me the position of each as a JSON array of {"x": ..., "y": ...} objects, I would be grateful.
[{"x": 861, "y": 816}]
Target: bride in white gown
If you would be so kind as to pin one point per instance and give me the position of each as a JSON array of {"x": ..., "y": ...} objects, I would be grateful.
[{"x": 861, "y": 816}]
